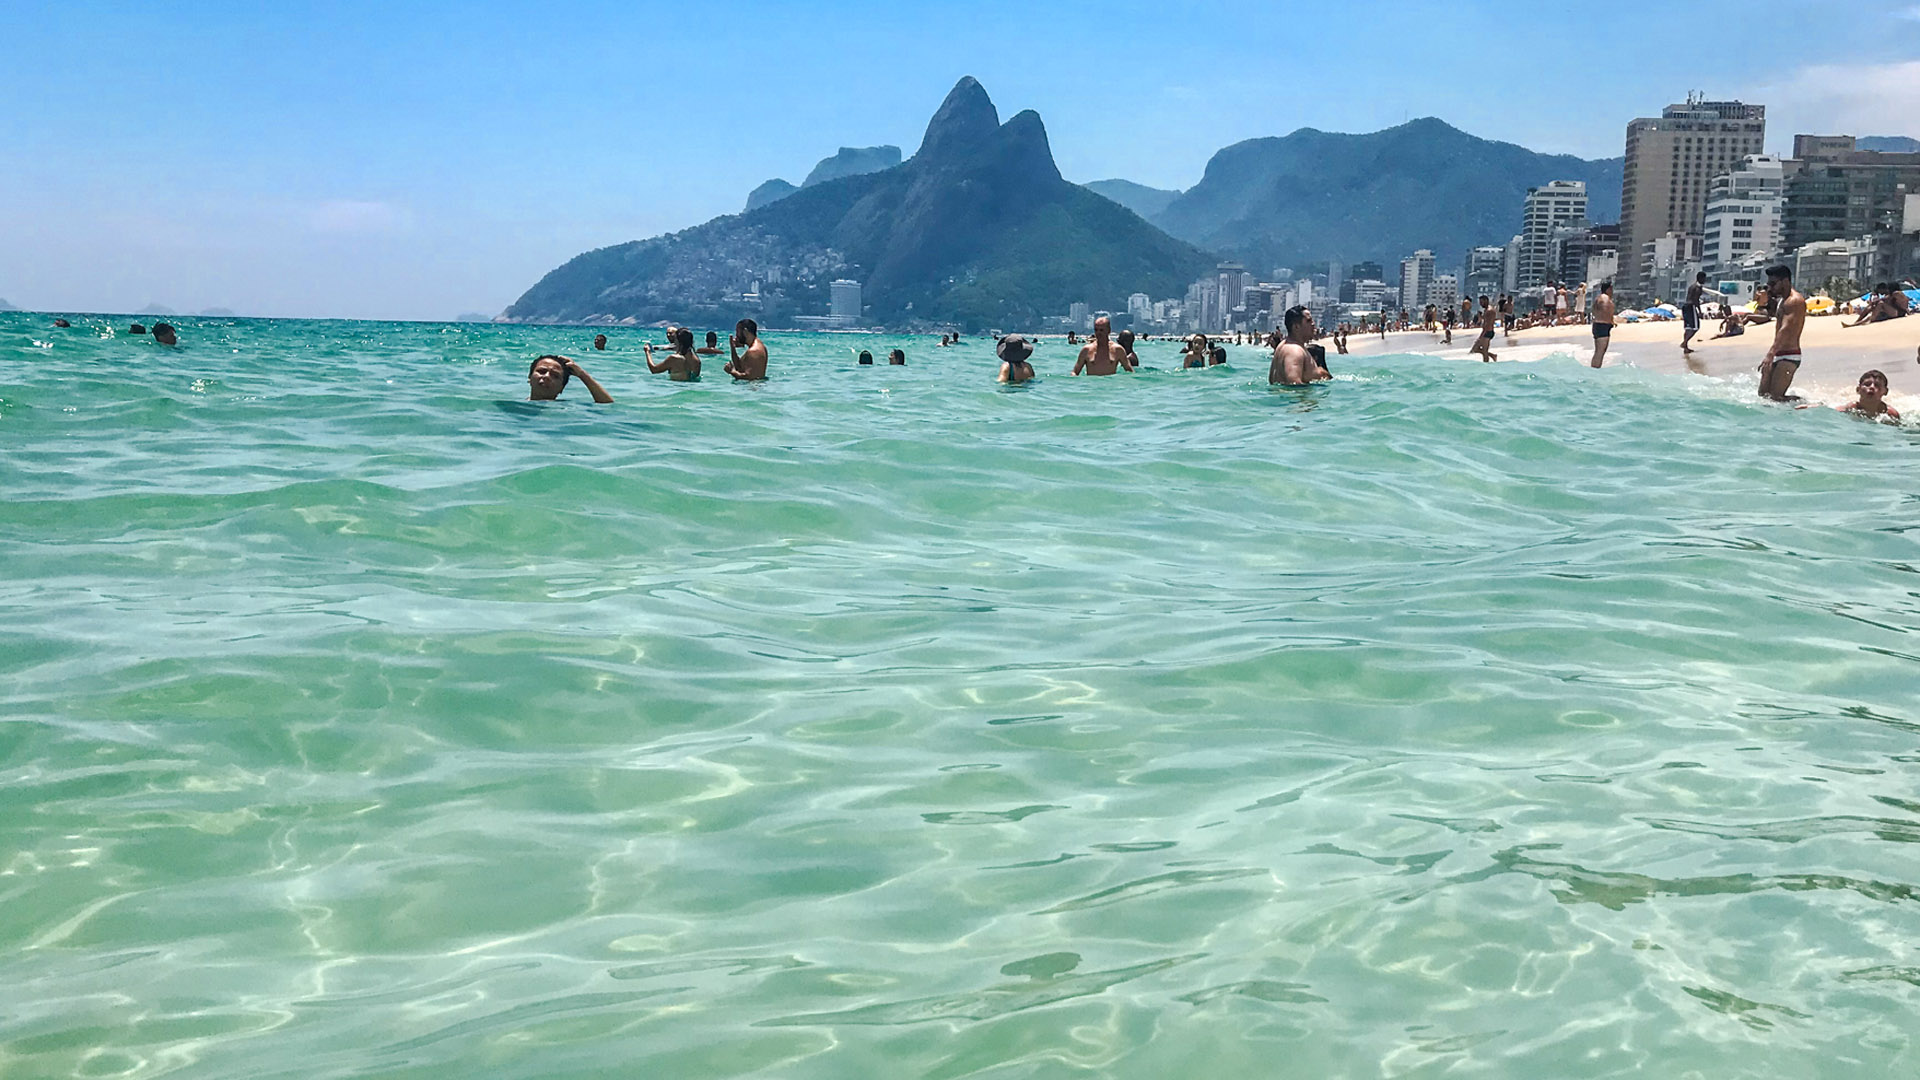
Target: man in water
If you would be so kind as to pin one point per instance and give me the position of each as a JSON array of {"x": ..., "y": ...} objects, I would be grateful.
[
  {"x": 1131, "y": 360},
  {"x": 897, "y": 358},
  {"x": 712, "y": 347},
  {"x": 1014, "y": 351},
  {"x": 1602, "y": 322},
  {"x": 750, "y": 365},
  {"x": 682, "y": 364},
  {"x": 1484, "y": 343},
  {"x": 548, "y": 376},
  {"x": 1101, "y": 356},
  {"x": 1690, "y": 311},
  {"x": 62, "y": 323},
  {"x": 1292, "y": 364},
  {"x": 1790, "y": 317},
  {"x": 163, "y": 333},
  {"x": 599, "y": 343}
]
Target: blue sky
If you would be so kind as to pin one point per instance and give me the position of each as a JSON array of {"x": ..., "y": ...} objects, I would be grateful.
[{"x": 398, "y": 160}]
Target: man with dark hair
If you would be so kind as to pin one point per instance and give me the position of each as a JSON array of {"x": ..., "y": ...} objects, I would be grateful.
[
  {"x": 1690, "y": 311},
  {"x": 1292, "y": 364},
  {"x": 1782, "y": 361},
  {"x": 1101, "y": 356},
  {"x": 1131, "y": 360},
  {"x": 712, "y": 347},
  {"x": 751, "y": 365},
  {"x": 1602, "y": 322},
  {"x": 1484, "y": 343},
  {"x": 548, "y": 376},
  {"x": 163, "y": 333},
  {"x": 599, "y": 343}
]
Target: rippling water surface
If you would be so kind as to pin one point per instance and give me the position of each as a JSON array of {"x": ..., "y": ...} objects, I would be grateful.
[{"x": 358, "y": 718}]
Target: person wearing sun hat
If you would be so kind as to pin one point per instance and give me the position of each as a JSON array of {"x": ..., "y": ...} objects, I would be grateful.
[{"x": 1013, "y": 351}]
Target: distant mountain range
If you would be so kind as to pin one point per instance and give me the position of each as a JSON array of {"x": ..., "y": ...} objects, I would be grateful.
[
  {"x": 4, "y": 306},
  {"x": 976, "y": 230},
  {"x": 1316, "y": 195},
  {"x": 850, "y": 161},
  {"x": 156, "y": 309},
  {"x": 1146, "y": 201}
]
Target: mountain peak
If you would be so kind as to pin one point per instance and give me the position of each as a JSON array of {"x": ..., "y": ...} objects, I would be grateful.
[{"x": 966, "y": 121}]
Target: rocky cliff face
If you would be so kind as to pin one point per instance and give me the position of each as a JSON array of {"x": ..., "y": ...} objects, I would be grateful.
[{"x": 978, "y": 228}]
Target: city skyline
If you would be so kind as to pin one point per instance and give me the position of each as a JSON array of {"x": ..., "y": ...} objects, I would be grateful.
[{"x": 363, "y": 161}]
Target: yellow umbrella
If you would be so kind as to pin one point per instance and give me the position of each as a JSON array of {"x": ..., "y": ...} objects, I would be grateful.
[{"x": 1820, "y": 305}]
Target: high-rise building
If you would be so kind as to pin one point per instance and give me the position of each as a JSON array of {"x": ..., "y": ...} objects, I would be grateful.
[
  {"x": 1558, "y": 205},
  {"x": 1573, "y": 255},
  {"x": 1510, "y": 270},
  {"x": 1336, "y": 277},
  {"x": 1671, "y": 162},
  {"x": 1483, "y": 271},
  {"x": 843, "y": 302},
  {"x": 1743, "y": 213},
  {"x": 1079, "y": 316},
  {"x": 1840, "y": 193},
  {"x": 1416, "y": 279},
  {"x": 1445, "y": 292},
  {"x": 1140, "y": 306}
]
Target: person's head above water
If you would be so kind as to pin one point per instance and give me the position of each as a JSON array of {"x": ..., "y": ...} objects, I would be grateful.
[
  {"x": 61, "y": 323},
  {"x": 547, "y": 377},
  {"x": 1102, "y": 327},
  {"x": 1299, "y": 322},
  {"x": 163, "y": 333},
  {"x": 1873, "y": 385},
  {"x": 600, "y": 341},
  {"x": 1013, "y": 349},
  {"x": 136, "y": 328},
  {"x": 866, "y": 358},
  {"x": 746, "y": 332},
  {"x": 683, "y": 340},
  {"x": 1125, "y": 338},
  {"x": 713, "y": 340},
  {"x": 897, "y": 357}
]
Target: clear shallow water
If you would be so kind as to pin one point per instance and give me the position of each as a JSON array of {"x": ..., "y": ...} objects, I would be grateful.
[{"x": 359, "y": 719}]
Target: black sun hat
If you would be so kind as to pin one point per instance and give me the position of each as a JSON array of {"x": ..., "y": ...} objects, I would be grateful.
[{"x": 1013, "y": 349}]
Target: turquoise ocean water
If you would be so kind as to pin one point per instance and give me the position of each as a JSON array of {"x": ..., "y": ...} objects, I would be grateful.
[{"x": 358, "y": 718}]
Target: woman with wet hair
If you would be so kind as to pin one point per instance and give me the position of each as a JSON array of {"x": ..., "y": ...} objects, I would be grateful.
[
  {"x": 682, "y": 364},
  {"x": 549, "y": 374}
]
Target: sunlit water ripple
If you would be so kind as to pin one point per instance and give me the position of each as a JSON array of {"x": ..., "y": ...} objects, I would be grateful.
[{"x": 361, "y": 719}]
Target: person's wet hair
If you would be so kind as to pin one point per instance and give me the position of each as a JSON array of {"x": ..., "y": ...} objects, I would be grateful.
[
  {"x": 1780, "y": 272},
  {"x": 1876, "y": 373},
  {"x": 897, "y": 356},
  {"x": 1295, "y": 315},
  {"x": 163, "y": 333},
  {"x": 683, "y": 338},
  {"x": 866, "y": 357},
  {"x": 561, "y": 360},
  {"x": 713, "y": 339},
  {"x": 749, "y": 326}
]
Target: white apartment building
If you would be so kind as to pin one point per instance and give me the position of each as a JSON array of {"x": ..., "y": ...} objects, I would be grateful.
[
  {"x": 1744, "y": 212},
  {"x": 1560, "y": 204}
]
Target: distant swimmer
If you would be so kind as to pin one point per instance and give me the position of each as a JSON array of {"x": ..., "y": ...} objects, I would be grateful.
[
  {"x": 1014, "y": 351},
  {"x": 1132, "y": 359},
  {"x": 750, "y": 364},
  {"x": 548, "y": 376},
  {"x": 712, "y": 347},
  {"x": 864, "y": 358},
  {"x": 1489, "y": 318},
  {"x": 163, "y": 333},
  {"x": 62, "y": 323},
  {"x": 1602, "y": 322},
  {"x": 1072, "y": 340},
  {"x": 1217, "y": 356},
  {"x": 682, "y": 364},
  {"x": 1293, "y": 365},
  {"x": 897, "y": 358},
  {"x": 600, "y": 342},
  {"x": 1690, "y": 311},
  {"x": 136, "y": 328},
  {"x": 1782, "y": 361},
  {"x": 1101, "y": 356}
]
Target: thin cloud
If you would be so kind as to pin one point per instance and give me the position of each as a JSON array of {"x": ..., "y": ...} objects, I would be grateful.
[
  {"x": 1835, "y": 99},
  {"x": 354, "y": 217}
]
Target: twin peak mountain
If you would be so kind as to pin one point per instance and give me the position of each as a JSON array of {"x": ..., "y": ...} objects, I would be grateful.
[{"x": 978, "y": 229}]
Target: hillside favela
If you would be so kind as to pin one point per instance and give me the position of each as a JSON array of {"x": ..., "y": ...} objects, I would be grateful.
[{"x": 978, "y": 542}]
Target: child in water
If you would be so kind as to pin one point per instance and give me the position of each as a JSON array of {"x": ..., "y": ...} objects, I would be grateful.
[{"x": 1870, "y": 398}]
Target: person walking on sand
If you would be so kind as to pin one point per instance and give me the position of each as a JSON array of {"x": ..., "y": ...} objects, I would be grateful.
[
  {"x": 1484, "y": 344},
  {"x": 1101, "y": 356},
  {"x": 750, "y": 365},
  {"x": 1690, "y": 311},
  {"x": 1602, "y": 322},
  {"x": 1782, "y": 361}
]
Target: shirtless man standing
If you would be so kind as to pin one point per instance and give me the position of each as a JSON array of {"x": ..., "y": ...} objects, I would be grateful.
[
  {"x": 1790, "y": 317},
  {"x": 1293, "y": 365},
  {"x": 1602, "y": 322},
  {"x": 750, "y": 365},
  {"x": 1488, "y": 319},
  {"x": 1690, "y": 311},
  {"x": 1101, "y": 356}
]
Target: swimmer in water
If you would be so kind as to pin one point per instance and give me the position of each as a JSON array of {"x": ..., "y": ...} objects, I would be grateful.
[
  {"x": 1293, "y": 365},
  {"x": 1013, "y": 351},
  {"x": 897, "y": 358},
  {"x": 599, "y": 343},
  {"x": 682, "y": 364},
  {"x": 62, "y": 323},
  {"x": 548, "y": 376},
  {"x": 1870, "y": 398},
  {"x": 1132, "y": 359},
  {"x": 1196, "y": 354},
  {"x": 749, "y": 361},
  {"x": 712, "y": 347},
  {"x": 1101, "y": 356},
  {"x": 163, "y": 333},
  {"x": 865, "y": 358}
]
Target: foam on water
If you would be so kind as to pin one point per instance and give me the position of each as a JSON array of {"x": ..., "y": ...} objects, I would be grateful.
[{"x": 1516, "y": 719}]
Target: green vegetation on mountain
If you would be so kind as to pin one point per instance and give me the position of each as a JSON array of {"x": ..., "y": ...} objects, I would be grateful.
[
  {"x": 977, "y": 229},
  {"x": 1139, "y": 198},
  {"x": 1425, "y": 184}
]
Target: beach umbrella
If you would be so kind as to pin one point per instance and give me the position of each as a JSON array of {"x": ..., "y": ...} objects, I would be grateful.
[{"x": 1819, "y": 305}]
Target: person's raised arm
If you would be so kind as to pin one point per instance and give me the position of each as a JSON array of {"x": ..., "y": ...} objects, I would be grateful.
[
  {"x": 653, "y": 367},
  {"x": 599, "y": 392}
]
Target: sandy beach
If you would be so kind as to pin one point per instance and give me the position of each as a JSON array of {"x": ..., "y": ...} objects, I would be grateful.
[{"x": 1835, "y": 355}]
